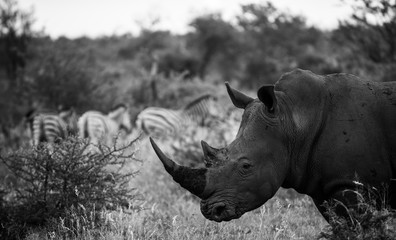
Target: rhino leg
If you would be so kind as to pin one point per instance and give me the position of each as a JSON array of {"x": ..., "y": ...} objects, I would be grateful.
[
  {"x": 347, "y": 199},
  {"x": 392, "y": 193},
  {"x": 340, "y": 202},
  {"x": 321, "y": 208}
]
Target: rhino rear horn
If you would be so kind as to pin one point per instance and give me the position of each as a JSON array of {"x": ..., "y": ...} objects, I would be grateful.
[
  {"x": 267, "y": 96},
  {"x": 208, "y": 150},
  {"x": 239, "y": 99},
  {"x": 209, "y": 153},
  {"x": 192, "y": 179}
]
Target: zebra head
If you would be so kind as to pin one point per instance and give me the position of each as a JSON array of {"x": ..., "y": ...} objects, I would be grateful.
[
  {"x": 28, "y": 120},
  {"x": 69, "y": 116},
  {"x": 202, "y": 109},
  {"x": 120, "y": 115}
]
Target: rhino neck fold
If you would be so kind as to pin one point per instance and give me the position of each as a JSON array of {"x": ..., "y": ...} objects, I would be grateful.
[{"x": 303, "y": 151}]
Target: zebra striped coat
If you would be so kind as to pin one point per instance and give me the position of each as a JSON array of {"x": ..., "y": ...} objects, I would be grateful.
[
  {"x": 102, "y": 128},
  {"x": 52, "y": 127},
  {"x": 161, "y": 121}
]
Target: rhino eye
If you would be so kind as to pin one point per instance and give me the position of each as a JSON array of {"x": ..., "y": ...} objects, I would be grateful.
[
  {"x": 271, "y": 110},
  {"x": 246, "y": 165}
]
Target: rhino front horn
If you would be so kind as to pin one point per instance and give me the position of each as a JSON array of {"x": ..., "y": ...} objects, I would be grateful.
[{"x": 192, "y": 179}]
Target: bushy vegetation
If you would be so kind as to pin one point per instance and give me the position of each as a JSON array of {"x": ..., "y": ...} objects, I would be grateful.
[
  {"x": 371, "y": 218},
  {"x": 54, "y": 182}
]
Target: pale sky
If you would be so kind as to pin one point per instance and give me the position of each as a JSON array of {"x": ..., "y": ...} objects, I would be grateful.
[{"x": 93, "y": 18}]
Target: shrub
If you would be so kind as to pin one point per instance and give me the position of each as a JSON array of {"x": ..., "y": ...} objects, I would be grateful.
[
  {"x": 370, "y": 219},
  {"x": 51, "y": 180}
]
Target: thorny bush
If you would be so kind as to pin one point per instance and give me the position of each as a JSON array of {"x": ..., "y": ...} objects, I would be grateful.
[
  {"x": 370, "y": 219},
  {"x": 48, "y": 180}
]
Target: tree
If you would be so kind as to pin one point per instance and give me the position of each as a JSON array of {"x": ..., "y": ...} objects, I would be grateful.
[
  {"x": 145, "y": 45},
  {"x": 15, "y": 33},
  {"x": 368, "y": 39},
  {"x": 274, "y": 41},
  {"x": 62, "y": 74},
  {"x": 372, "y": 29},
  {"x": 212, "y": 37}
]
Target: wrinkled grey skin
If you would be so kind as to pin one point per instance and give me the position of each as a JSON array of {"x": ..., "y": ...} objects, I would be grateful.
[{"x": 308, "y": 132}]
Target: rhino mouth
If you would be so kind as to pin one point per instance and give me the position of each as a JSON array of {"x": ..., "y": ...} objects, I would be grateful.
[{"x": 219, "y": 211}]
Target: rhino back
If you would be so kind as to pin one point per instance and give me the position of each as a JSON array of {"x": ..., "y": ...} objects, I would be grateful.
[{"x": 358, "y": 137}]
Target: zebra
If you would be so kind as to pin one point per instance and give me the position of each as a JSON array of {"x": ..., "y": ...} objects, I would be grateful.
[
  {"x": 162, "y": 121},
  {"x": 101, "y": 128},
  {"x": 51, "y": 127}
]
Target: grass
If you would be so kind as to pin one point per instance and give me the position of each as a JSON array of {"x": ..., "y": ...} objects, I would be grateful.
[
  {"x": 166, "y": 211},
  {"x": 370, "y": 219}
]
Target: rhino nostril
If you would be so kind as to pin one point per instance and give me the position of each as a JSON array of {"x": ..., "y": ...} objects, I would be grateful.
[{"x": 218, "y": 210}]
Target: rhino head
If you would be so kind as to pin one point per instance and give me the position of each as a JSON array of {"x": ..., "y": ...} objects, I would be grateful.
[{"x": 246, "y": 173}]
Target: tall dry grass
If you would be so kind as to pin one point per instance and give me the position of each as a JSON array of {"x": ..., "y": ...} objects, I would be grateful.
[{"x": 166, "y": 211}]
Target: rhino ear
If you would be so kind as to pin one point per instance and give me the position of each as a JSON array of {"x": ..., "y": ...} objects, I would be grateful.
[
  {"x": 239, "y": 99},
  {"x": 267, "y": 96}
]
